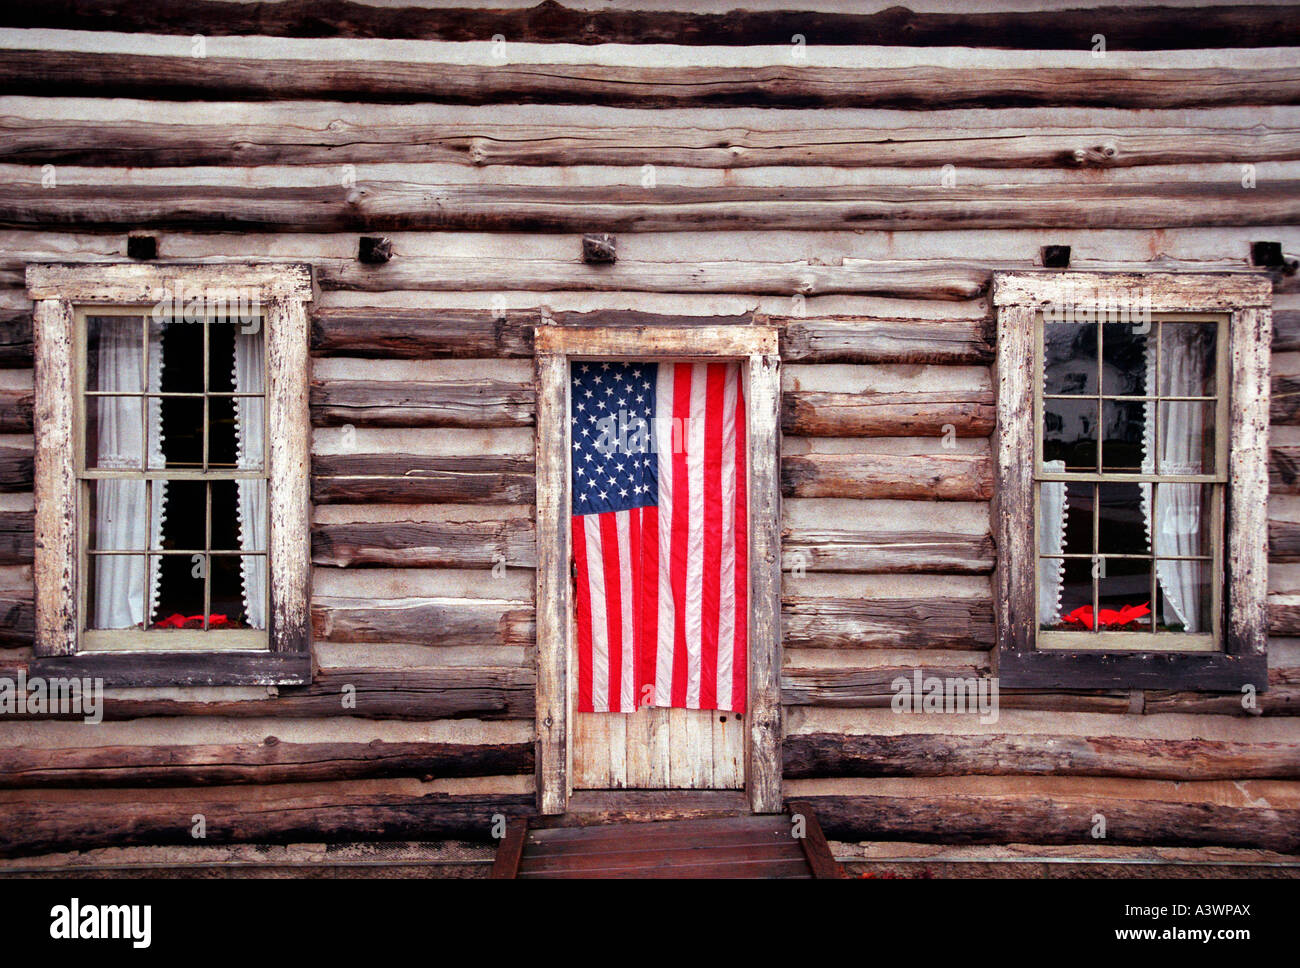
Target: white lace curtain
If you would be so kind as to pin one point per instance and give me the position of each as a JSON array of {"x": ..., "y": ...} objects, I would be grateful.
[
  {"x": 250, "y": 427},
  {"x": 122, "y": 520},
  {"x": 1178, "y": 432}
]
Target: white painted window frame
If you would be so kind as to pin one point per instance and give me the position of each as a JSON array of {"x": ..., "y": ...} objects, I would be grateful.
[{"x": 282, "y": 291}]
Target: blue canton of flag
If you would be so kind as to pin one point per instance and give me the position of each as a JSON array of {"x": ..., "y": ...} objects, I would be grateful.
[{"x": 615, "y": 467}]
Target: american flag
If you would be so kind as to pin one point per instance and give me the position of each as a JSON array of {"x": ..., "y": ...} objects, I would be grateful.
[{"x": 659, "y": 535}]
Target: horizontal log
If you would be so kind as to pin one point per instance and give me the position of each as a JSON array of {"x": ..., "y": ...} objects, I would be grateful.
[
  {"x": 948, "y": 477},
  {"x": 401, "y": 206},
  {"x": 429, "y": 334},
  {"x": 415, "y": 479},
  {"x": 17, "y": 621},
  {"x": 1284, "y": 615},
  {"x": 416, "y": 694},
  {"x": 920, "y": 413},
  {"x": 861, "y": 340},
  {"x": 49, "y": 73},
  {"x": 424, "y": 621},
  {"x": 449, "y": 403},
  {"x": 1286, "y": 330},
  {"x": 16, "y": 469},
  {"x": 16, "y": 538},
  {"x": 1284, "y": 541},
  {"x": 1284, "y": 401},
  {"x": 28, "y": 828},
  {"x": 15, "y": 411},
  {"x": 269, "y": 761},
  {"x": 962, "y": 819},
  {"x": 871, "y": 688},
  {"x": 886, "y": 623},
  {"x": 890, "y": 552},
  {"x": 1134, "y": 28},
  {"x": 840, "y": 755},
  {"x": 359, "y": 137},
  {"x": 1284, "y": 470},
  {"x": 480, "y": 543}
]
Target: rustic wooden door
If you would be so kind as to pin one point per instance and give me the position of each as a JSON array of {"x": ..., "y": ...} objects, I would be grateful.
[{"x": 656, "y": 749}]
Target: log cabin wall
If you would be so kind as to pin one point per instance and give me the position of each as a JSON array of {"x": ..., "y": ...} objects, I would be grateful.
[{"x": 860, "y": 203}]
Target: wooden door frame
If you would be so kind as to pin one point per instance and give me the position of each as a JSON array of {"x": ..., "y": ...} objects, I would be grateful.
[{"x": 757, "y": 348}]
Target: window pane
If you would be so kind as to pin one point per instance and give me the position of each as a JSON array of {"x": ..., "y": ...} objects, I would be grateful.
[
  {"x": 1124, "y": 359},
  {"x": 1069, "y": 358},
  {"x": 1075, "y": 612},
  {"x": 1124, "y": 595},
  {"x": 1187, "y": 359},
  {"x": 1124, "y": 423},
  {"x": 1121, "y": 523},
  {"x": 180, "y": 591},
  {"x": 118, "y": 519},
  {"x": 115, "y": 353},
  {"x": 239, "y": 515},
  {"x": 238, "y": 590},
  {"x": 114, "y": 433},
  {"x": 1183, "y": 519},
  {"x": 115, "y": 596},
  {"x": 184, "y": 505},
  {"x": 1070, "y": 433},
  {"x": 1186, "y": 437},
  {"x": 1185, "y": 597}
]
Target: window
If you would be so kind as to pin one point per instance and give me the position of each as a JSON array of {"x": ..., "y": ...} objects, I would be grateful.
[
  {"x": 1132, "y": 480},
  {"x": 171, "y": 473}
]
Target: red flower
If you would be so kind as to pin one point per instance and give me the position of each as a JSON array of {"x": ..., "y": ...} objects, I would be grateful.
[{"x": 1108, "y": 617}]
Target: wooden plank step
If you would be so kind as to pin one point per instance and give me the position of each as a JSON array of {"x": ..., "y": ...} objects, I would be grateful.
[{"x": 741, "y": 846}]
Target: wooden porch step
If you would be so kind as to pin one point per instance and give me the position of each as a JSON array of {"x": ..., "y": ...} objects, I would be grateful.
[{"x": 719, "y": 847}]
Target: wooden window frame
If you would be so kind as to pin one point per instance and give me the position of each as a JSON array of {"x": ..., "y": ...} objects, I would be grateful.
[
  {"x": 756, "y": 347},
  {"x": 1245, "y": 300},
  {"x": 60, "y": 293}
]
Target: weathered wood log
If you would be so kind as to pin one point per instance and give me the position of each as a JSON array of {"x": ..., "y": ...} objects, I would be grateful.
[
  {"x": 853, "y": 340},
  {"x": 16, "y": 537},
  {"x": 17, "y": 621},
  {"x": 872, "y": 688},
  {"x": 1286, "y": 330},
  {"x": 399, "y": 206},
  {"x": 425, "y": 621},
  {"x": 414, "y": 334},
  {"x": 49, "y": 73},
  {"x": 1284, "y": 541},
  {"x": 1137, "y": 28},
  {"x": 920, "y": 413},
  {"x": 15, "y": 411},
  {"x": 16, "y": 469},
  {"x": 417, "y": 694},
  {"x": 361, "y": 137},
  {"x": 1284, "y": 615},
  {"x": 428, "y": 334},
  {"x": 415, "y": 479},
  {"x": 458, "y": 403},
  {"x": 882, "y": 623},
  {"x": 1284, "y": 401},
  {"x": 269, "y": 761},
  {"x": 888, "y": 552},
  {"x": 15, "y": 338},
  {"x": 1284, "y": 470},
  {"x": 28, "y": 828},
  {"x": 932, "y": 754},
  {"x": 960, "y": 819},
  {"x": 481, "y": 543},
  {"x": 948, "y": 477}
]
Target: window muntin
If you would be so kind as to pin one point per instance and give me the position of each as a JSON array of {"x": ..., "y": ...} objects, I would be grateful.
[
  {"x": 1129, "y": 483},
  {"x": 172, "y": 481}
]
